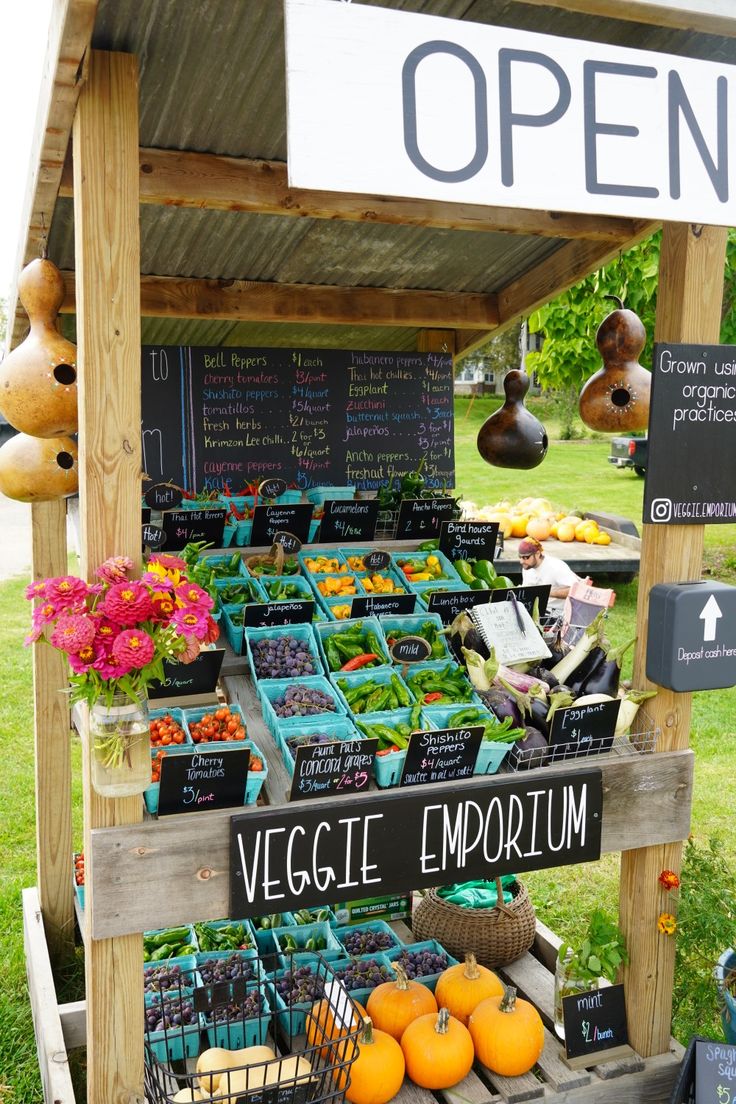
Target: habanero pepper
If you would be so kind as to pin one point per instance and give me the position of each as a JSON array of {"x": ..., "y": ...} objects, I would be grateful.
[
  {"x": 359, "y": 661},
  {"x": 433, "y": 697}
]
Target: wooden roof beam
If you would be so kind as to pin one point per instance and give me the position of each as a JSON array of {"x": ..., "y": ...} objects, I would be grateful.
[
  {"x": 174, "y": 178},
  {"x": 716, "y": 17},
  {"x": 249, "y": 301}
]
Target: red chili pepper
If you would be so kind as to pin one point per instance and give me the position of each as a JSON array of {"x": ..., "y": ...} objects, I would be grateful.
[
  {"x": 388, "y": 750},
  {"x": 358, "y": 661},
  {"x": 435, "y": 696}
]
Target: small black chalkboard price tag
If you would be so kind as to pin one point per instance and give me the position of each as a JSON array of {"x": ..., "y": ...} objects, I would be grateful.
[
  {"x": 376, "y": 605},
  {"x": 153, "y": 536},
  {"x": 468, "y": 540},
  {"x": 163, "y": 496},
  {"x": 145, "y": 515},
  {"x": 376, "y": 560},
  {"x": 441, "y": 755},
  {"x": 715, "y": 1072},
  {"x": 595, "y": 1026},
  {"x": 184, "y": 526},
  {"x": 272, "y": 488},
  {"x": 183, "y": 679},
  {"x": 420, "y": 518},
  {"x": 344, "y": 520},
  {"x": 288, "y": 542},
  {"x": 527, "y": 595},
  {"x": 338, "y": 768},
  {"x": 270, "y": 520},
  {"x": 411, "y": 649},
  {"x": 583, "y": 730},
  {"x": 257, "y": 614},
  {"x": 208, "y": 779},
  {"x": 449, "y": 603}
]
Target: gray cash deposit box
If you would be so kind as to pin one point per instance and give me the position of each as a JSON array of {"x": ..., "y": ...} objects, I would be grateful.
[{"x": 691, "y": 640}]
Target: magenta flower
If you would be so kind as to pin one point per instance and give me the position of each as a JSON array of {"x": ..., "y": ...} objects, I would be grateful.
[
  {"x": 72, "y": 632},
  {"x": 107, "y": 669},
  {"x": 85, "y": 659},
  {"x": 66, "y": 592},
  {"x": 133, "y": 649},
  {"x": 190, "y": 621},
  {"x": 127, "y": 604},
  {"x": 191, "y": 651},
  {"x": 168, "y": 561},
  {"x": 193, "y": 596},
  {"x": 36, "y": 590},
  {"x": 115, "y": 570}
]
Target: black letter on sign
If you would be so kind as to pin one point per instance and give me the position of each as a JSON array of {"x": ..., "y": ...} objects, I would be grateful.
[
  {"x": 593, "y": 127},
  {"x": 509, "y": 119},
  {"x": 409, "y": 85},
  {"x": 678, "y": 101}
]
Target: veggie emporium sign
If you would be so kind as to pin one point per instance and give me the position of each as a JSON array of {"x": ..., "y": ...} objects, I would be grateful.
[
  {"x": 291, "y": 856},
  {"x": 395, "y": 103}
]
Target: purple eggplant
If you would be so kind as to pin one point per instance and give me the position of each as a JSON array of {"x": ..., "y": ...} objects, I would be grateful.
[
  {"x": 532, "y": 751},
  {"x": 605, "y": 676},
  {"x": 503, "y": 704},
  {"x": 588, "y": 667},
  {"x": 538, "y": 715}
]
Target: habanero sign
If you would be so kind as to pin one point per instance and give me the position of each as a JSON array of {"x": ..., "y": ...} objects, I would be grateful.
[{"x": 393, "y": 103}]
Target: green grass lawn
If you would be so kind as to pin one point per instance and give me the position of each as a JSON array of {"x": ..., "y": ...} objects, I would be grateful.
[{"x": 574, "y": 474}]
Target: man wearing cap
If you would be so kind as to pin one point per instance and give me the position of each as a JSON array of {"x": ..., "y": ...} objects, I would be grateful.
[{"x": 538, "y": 569}]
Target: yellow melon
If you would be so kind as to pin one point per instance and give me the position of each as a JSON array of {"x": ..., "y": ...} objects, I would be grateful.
[
  {"x": 565, "y": 531},
  {"x": 519, "y": 523},
  {"x": 538, "y": 528},
  {"x": 602, "y": 538}
]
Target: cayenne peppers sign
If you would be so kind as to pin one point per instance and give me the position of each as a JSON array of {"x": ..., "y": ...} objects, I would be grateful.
[{"x": 395, "y": 103}]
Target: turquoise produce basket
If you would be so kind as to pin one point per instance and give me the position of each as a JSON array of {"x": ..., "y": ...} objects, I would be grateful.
[
  {"x": 292, "y": 1017},
  {"x": 236, "y": 1032},
  {"x": 270, "y": 690},
  {"x": 158, "y": 977},
  {"x": 220, "y": 563},
  {"x": 342, "y": 968},
  {"x": 178, "y": 716},
  {"x": 360, "y": 936},
  {"x": 387, "y": 767},
  {"x": 301, "y": 934},
  {"x": 491, "y": 752},
  {"x": 368, "y": 624},
  {"x": 246, "y": 962},
  {"x": 264, "y": 936},
  {"x": 402, "y": 956},
  {"x": 347, "y": 682},
  {"x": 151, "y": 792},
  {"x": 303, "y": 633},
  {"x": 297, "y": 917},
  {"x": 297, "y": 582},
  {"x": 313, "y": 553},
  {"x": 413, "y": 624},
  {"x": 329, "y": 604},
  {"x": 243, "y": 531},
  {"x": 253, "y": 785},
  {"x": 174, "y": 1043},
  {"x": 191, "y": 938},
  {"x": 216, "y": 925},
  {"x": 339, "y": 727},
  {"x": 470, "y": 698},
  {"x": 319, "y": 495},
  {"x": 451, "y": 575},
  {"x": 228, "y": 534},
  {"x": 198, "y": 712}
]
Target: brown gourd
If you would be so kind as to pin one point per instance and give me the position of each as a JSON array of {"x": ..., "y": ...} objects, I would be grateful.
[
  {"x": 38, "y": 380},
  {"x": 512, "y": 437},
  {"x": 38, "y": 469},
  {"x": 616, "y": 398}
]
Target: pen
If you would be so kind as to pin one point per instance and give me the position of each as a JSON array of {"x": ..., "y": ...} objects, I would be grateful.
[{"x": 517, "y": 614}]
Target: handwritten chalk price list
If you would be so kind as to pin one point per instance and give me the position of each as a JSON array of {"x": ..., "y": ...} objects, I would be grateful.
[{"x": 342, "y": 767}]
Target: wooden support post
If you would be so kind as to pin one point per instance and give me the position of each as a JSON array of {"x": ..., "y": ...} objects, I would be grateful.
[
  {"x": 689, "y": 300},
  {"x": 107, "y": 252},
  {"x": 52, "y": 748}
]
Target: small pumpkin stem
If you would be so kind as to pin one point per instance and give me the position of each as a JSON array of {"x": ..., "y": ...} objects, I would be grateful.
[
  {"x": 402, "y": 981},
  {"x": 366, "y": 1035},
  {"x": 508, "y": 1000},
  {"x": 471, "y": 972},
  {"x": 443, "y": 1021}
]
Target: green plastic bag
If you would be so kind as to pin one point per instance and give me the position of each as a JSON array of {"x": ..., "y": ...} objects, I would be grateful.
[{"x": 478, "y": 894}]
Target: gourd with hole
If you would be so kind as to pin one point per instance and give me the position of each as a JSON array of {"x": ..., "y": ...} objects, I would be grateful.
[
  {"x": 507, "y": 1033},
  {"x": 438, "y": 1050},
  {"x": 616, "y": 398},
  {"x": 377, "y": 1073},
  {"x": 393, "y": 1005},
  {"x": 461, "y": 988},
  {"x": 38, "y": 379},
  {"x": 512, "y": 437},
  {"x": 38, "y": 469}
]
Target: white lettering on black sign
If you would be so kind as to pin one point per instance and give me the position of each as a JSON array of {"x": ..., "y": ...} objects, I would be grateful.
[
  {"x": 468, "y": 540},
  {"x": 270, "y": 520},
  {"x": 185, "y": 526},
  {"x": 583, "y": 730},
  {"x": 420, "y": 518},
  {"x": 449, "y": 603},
  {"x": 441, "y": 755},
  {"x": 206, "y": 779},
  {"x": 198, "y": 677},
  {"x": 346, "y": 520}
]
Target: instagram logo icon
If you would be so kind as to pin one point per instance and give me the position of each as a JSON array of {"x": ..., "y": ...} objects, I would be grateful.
[{"x": 661, "y": 510}]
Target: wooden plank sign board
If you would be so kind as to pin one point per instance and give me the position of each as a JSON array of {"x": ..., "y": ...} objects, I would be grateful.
[
  {"x": 211, "y": 778},
  {"x": 595, "y": 1026},
  {"x": 341, "y": 767},
  {"x": 507, "y": 627},
  {"x": 286, "y": 857},
  {"x": 441, "y": 755},
  {"x": 583, "y": 730},
  {"x": 468, "y": 540},
  {"x": 183, "y": 679},
  {"x": 715, "y": 1072},
  {"x": 346, "y": 520},
  {"x": 184, "y": 526},
  {"x": 421, "y": 518}
]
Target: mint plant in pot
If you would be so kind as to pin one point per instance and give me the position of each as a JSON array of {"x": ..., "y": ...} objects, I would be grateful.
[{"x": 596, "y": 960}]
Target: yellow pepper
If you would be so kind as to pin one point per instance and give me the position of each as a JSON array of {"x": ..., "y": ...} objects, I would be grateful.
[{"x": 421, "y": 577}]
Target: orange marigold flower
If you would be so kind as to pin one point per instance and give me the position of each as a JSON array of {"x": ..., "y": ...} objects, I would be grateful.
[
  {"x": 667, "y": 923},
  {"x": 669, "y": 879}
]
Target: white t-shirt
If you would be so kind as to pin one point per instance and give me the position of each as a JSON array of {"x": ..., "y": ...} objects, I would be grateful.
[{"x": 553, "y": 572}]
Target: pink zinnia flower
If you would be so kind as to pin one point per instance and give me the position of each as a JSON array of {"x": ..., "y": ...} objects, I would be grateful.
[
  {"x": 86, "y": 658},
  {"x": 115, "y": 569},
  {"x": 190, "y": 621},
  {"x": 36, "y": 590},
  {"x": 66, "y": 591},
  {"x": 168, "y": 561},
  {"x": 213, "y": 631},
  {"x": 72, "y": 632},
  {"x": 133, "y": 649},
  {"x": 163, "y": 604},
  {"x": 127, "y": 603},
  {"x": 191, "y": 651},
  {"x": 108, "y": 669},
  {"x": 192, "y": 595}
]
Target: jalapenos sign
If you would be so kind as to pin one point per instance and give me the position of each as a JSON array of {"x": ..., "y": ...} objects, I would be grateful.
[{"x": 395, "y": 103}]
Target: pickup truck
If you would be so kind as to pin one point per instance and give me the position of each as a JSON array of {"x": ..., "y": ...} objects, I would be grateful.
[{"x": 630, "y": 452}]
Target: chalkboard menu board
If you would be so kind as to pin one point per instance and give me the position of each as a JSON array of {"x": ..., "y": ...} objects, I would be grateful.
[
  {"x": 595, "y": 1026},
  {"x": 441, "y": 755},
  {"x": 715, "y": 1072},
  {"x": 341, "y": 767},
  {"x": 211, "y": 778},
  {"x": 312, "y": 417}
]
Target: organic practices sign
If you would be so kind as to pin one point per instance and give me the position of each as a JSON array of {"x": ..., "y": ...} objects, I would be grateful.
[{"x": 395, "y": 103}]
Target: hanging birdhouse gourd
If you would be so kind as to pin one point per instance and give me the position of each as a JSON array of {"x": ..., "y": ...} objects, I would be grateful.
[
  {"x": 38, "y": 469},
  {"x": 512, "y": 437},
  {"x": 616, "y": 398},
  {"x": 38, "y": 380}
]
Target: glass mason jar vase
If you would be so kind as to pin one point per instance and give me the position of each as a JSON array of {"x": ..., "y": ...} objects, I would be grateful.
[
  {"x": 566, "y": 983},
  {"x": 120, "y": 746}
]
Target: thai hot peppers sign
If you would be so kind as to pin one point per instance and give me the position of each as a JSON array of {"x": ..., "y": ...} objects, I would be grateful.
[
  {"x": 293, "y": 855},
  {"x": 395, "y": 103}
]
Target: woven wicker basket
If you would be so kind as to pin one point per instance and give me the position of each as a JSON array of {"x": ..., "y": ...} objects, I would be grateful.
[
  {"x": 495, "y": 936},
  {"x": 274, "y": 558}
]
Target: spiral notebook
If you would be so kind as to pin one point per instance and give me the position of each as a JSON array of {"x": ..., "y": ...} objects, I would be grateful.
[{"x": 509, "y": 629}]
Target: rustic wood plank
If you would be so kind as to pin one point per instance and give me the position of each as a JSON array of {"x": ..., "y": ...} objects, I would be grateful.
[
  {"x": 182, "y": 178},
  {"x": 52, "y": 1055},
  {"x": 652, "y": 1086},
  {"x": 555, "y": 1070},
  {"x": 409, "y": 1093},
  {"x": 546, "y": 946},
  {"x": 177, "y": 870},
  {"x": 470, "y": 1090},
  {"x": 73, "y": 1018},
  {"x": 704, "y": 16},
  {"x": 513, "y": 1090},
  {"x": 107, "y": 251},
  {"x": 69, "y": 36},
  {"x": 52, "y": 737},
  {"x": 692, "y": 264},
  {"x": 617, "y": 1067},
  {"x": 252, "y": 301}
]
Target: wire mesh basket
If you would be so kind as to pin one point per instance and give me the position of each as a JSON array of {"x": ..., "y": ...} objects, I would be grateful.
[
  {"x": 293, "y": 1006},
  {"x": 641, "y": 739}
]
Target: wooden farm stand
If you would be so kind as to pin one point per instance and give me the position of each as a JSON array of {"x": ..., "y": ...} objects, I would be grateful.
[{"x": 145, "y": 874}]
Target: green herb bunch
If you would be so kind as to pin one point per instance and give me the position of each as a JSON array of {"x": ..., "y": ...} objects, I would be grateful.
[{"x": 600, "y": 954}]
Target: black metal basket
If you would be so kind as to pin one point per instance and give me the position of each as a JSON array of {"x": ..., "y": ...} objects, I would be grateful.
[{"x": 249, "y": 1001}]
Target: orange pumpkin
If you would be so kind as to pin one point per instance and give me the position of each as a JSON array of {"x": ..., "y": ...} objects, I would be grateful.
[
  {"x": 461, "y": 988},
  {"x": 321, "y": 1026},
  {"x": 395, "y": 1004},
  {"x": 508, "y": 1034},
  {"x": 538, "y": 528},
  {"x": 377, "y": 1073},
  {"x": 438, "y": 1050}
]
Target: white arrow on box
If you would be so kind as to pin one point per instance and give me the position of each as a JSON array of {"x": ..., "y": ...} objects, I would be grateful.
[{"x": 709, "y": 615}]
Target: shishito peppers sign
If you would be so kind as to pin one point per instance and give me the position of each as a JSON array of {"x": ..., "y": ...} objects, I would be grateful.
[
  {"x": 293, "y": 855},
  {"x": 396, "y": 103}
]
